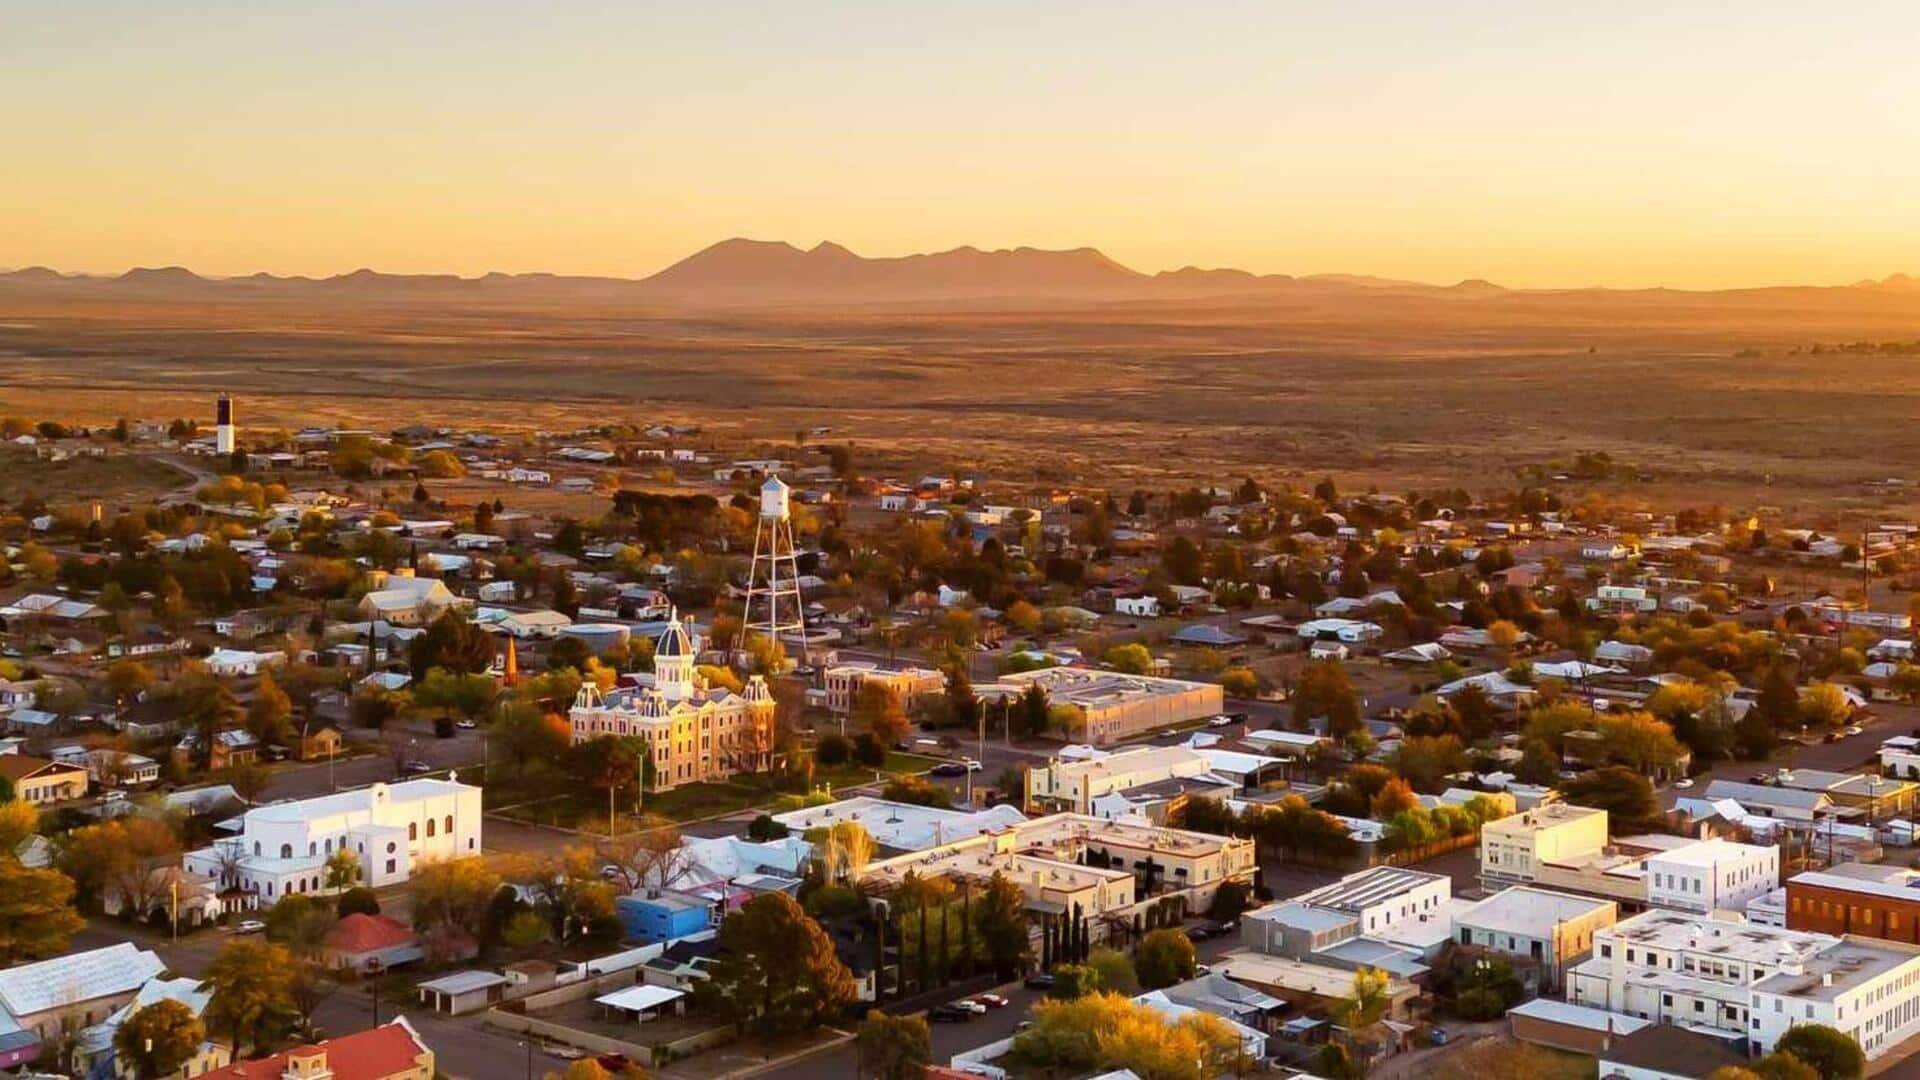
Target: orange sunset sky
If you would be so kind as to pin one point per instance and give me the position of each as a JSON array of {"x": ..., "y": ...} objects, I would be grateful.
[{"x": 1535, "y": 144}]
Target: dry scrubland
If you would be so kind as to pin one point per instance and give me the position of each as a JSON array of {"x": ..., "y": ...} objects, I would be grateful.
[{"x": 1396, "y": 390}]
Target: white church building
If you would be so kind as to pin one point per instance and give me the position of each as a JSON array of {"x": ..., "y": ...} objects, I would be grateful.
[{"x": 390, "y": 828}]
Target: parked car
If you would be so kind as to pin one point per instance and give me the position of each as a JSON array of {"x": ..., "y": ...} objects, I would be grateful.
[
  {"x": 1683, "y": 782},
  {"x": 415, "y": 768},
  {"x": 991, "y": 1001},
  {"x": 466, "y": 725},
  {"x": 1198, "y": 933},
  {"x": 1221, "y": 721},
  {"x": 948, "y": 768},
  {"x": 250, "y": 926},
  {"x": 977, "y": 1008},
  {"x": 1852, "y": 729},
  {"x": 949, "y": 1014},
  {"x": 1438, "y": 1036},
  {"x": 1039, "y": 980}
]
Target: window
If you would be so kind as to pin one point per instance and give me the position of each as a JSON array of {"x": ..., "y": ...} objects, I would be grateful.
[
  {"x": 413, "y": 830},
  {"x": 389, "y": 863},
  {"x": 449, "y": 824},
  {"x": 286, "y": 851},
  {"x": 430, "y": 828}
]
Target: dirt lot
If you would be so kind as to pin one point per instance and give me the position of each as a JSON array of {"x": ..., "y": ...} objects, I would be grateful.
[{"x": 1400, "y": 393}]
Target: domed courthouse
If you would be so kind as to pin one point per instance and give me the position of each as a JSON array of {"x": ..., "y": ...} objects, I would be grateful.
[{"x": 693, "y": 731}]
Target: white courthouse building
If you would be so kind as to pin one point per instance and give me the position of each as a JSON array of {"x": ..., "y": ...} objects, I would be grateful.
[{"x": 390, "y": 828}]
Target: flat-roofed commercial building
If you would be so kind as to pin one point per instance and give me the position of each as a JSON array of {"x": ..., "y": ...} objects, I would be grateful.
[
  {"x": 1750, "y": 982},
  {"x": 1513, "y": 848},
  {"x": 1856, "y": 898},
  {"x": 1106, "y": 867},
  {"x": 1116, "y": 707},
  {"x": 1552, "y": 930},
  {"x": 844, "y": 681}
]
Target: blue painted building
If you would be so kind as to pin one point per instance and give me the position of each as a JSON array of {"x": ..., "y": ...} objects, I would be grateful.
[{"x": 663, "y": 916}]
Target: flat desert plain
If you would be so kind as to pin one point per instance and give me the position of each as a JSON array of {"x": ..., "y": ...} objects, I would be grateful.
[{"x": 1709, "y": 397}]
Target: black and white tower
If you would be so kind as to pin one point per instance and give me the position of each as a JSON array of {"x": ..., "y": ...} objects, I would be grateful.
[
  {"x": 773, "y": 581},
  {"x": 223, "y": 424}
]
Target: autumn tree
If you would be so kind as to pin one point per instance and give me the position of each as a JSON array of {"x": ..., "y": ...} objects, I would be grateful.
[
  {"x": 252, "y": 992},
  {"x": 877, "y": 710},
  {"x": 453, "y": 892},
  {"x": 36, "y": 912},
  {"x": 158, "y": 1039},
  {"x": 270, "y": 713},
  {"x": 1323, "y": 690}
]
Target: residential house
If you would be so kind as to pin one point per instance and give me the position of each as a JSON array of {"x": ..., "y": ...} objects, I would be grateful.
[
  {"x": 392, "y": 1051},
  {"x": 43, "y": 782}
]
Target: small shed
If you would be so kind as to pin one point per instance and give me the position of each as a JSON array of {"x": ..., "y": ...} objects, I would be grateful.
[{"x": 463, "y": 991}]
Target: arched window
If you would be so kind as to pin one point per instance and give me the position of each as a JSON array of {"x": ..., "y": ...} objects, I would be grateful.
[
  {"x": 256, "y": 847},
  {"x": 329, "y": 843},
  {"x": 429, "y": 828},
  {"x": 413, "y": 830},
  {"x": 449, "y": 825},
  {"x": 286, "y": 851},
  {"x": 312, "y": 848},
  {"x": 390, "y": 849}
]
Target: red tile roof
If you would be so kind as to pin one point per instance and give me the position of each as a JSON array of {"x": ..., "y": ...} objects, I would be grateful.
[
  {"x": 373, "y": 1054},
  {"x": 359, "y": 933}
]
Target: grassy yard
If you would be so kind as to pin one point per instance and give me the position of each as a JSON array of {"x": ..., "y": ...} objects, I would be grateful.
[{"x": 544, "y": 798}]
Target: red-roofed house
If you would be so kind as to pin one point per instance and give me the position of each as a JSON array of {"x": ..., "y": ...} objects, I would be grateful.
[
  {"x": 390, "y": 1052},
  {"x": 370, "y": 943}
]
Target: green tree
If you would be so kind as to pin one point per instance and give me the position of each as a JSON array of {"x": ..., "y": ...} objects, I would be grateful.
[
  {"x": 1164, "y": 957},
  {"x": 894, "y": 1047},
  {"x": 468, "y": 695},
  {"x": 1115, "y": 970},
  {"x": 252, "y": 985},
  {"x": 1132, "y": 658},
  {"x": 1074, "y": 980},
  {"x": 1831, "y": 1053},
  {"x": 453, "y": 643},
  {"x": 343, "y": 869},
  {"x": 358, "y": 900},
  {"x": 1000, "y": 916},
  {"x": 1366, "y": 1002},
  {"x": 777, "y": 970},
  {"x": 1625, "y": 795},
  {"x": 158, "y": 1039},
  {"x": 1779, "y": 699},
  {"x": 1182, "y": 561}
]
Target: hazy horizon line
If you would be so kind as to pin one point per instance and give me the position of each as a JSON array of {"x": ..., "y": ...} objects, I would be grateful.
[{"x": 110, "y": 274}]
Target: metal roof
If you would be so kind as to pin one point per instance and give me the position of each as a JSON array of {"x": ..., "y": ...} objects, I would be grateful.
[{"x": 77, "y": 977}]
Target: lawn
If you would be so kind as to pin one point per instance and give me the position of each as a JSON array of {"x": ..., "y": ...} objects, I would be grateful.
[{"x": 544, "y": 799}]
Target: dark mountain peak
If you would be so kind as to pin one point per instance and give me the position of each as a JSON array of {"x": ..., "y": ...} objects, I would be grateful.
[{"x": 161, "y": 275}]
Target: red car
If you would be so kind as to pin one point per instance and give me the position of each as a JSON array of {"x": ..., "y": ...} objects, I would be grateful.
[{"x": 991, "y": 1001}]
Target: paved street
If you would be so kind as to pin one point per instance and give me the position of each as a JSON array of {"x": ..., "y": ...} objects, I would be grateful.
[
  {"x": 951, "y": 1039},
  {"x": 1845, "y": 755}
]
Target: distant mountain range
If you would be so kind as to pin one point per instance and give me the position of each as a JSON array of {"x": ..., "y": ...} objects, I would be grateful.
[{"x": 739, "y": 273}]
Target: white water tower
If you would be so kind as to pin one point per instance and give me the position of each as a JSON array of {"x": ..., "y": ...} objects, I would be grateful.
[
  {"x": 773, "y": 581},
  {"x": 223, "y": 424}
]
